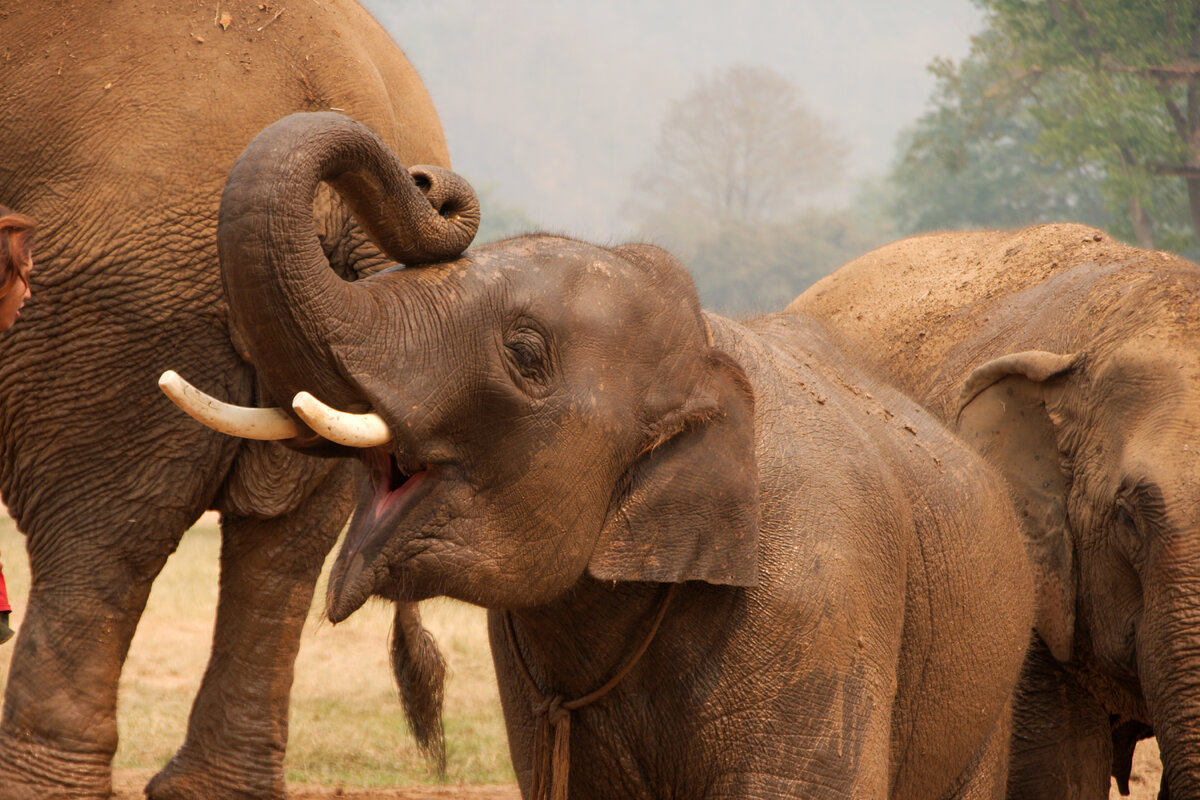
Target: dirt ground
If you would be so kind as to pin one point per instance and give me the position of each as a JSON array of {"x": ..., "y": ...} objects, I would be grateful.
[{"x": 129, "y": 783}]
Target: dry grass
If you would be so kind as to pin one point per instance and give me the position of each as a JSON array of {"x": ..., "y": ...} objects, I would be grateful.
[
  {"x": 346, "y": 725},
  {"x": 347, "y": 728}
]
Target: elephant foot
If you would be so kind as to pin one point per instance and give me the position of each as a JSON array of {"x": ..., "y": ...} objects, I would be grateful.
[
  {"x": 29, "y": 768},
  {"x": 216, "y": 775}
]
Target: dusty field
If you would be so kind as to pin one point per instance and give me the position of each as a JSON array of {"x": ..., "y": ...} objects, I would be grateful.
[
  {"x": 348, "y": 738},
  {"x": 128, "y": 784},
  {"x": 346, "y": 730},
  {"x": 1147, "y": 771}
]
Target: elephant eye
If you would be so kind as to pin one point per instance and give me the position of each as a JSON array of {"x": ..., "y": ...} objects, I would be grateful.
[
  {"x": 1140, "y": 513},
  {"x": 1125, "y": 518},
  {"x": 528, "y": 354},
  {"x": 1128, "y": 524}
]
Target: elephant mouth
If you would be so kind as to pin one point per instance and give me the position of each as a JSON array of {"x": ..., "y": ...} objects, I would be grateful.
[
  {"x": 393, "y": 484},
  {"x": 394, "y": 488}
]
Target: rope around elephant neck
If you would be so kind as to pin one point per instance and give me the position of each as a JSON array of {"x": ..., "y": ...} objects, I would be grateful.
[{"x": 552, "y": 738}]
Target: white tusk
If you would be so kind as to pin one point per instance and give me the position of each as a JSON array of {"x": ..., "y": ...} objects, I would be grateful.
[
  {"x": 352, "y": 430},
  {"x": 249, "y": 423}
]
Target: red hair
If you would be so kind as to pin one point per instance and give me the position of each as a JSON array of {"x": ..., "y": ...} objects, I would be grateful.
[{"x": 16, "y": 233}]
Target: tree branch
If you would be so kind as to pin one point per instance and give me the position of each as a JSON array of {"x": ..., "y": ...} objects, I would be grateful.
[
  {"x": 1055, "y": 11},
  {"x": 1193, "y": 111},
  {"x": 1088, "y": 27},
  {"x": 1169, "y": 28},
  {"x": 1194, "y": 50},
  {"x": 1167, "y": 73},
  {"x": 1190, "y": 171},
  {"x": 1176, "y": 114}
]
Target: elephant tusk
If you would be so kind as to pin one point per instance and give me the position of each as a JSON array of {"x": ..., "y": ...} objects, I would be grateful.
[
  {"x": 248, "y": 423},
  {"x": 352, "y": 430}
]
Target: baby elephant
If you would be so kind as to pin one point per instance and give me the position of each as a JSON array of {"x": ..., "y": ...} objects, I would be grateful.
[{"x": 719, "y": 561}]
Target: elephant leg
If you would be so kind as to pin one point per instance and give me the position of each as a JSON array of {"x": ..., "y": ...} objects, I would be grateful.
[
  {"x": 987, "y": 776},
  {"x": 1062, "y": 738},
  {"x": 59, "y": 730},
  {"x": 237, "y": 731}
]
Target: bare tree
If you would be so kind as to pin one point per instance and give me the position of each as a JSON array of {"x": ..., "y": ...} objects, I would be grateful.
[
  {"x": 737, "y": 158},
  {"x": 739, "y": 147}
]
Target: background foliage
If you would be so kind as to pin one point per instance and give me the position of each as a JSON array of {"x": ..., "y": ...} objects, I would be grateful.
[
  {"x": 1080, "y": 110},
  {"x": 1062, "y": 111}
]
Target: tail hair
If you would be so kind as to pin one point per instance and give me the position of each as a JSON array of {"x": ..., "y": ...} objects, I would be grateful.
[{"x": 420, "y": 671}]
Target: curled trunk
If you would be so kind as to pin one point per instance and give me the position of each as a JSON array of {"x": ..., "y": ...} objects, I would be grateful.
[
  {"x": 301, "y": 323},
  {"x": 305, "y": 328}
]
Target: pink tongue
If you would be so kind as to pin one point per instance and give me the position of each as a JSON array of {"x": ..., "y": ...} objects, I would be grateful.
[{"x": 386, "y": 501}]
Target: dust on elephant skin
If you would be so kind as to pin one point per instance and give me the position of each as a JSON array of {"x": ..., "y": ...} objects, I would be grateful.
[
  {"x": 1073, "y": 363},
  {"x": 560, "y": 434}
]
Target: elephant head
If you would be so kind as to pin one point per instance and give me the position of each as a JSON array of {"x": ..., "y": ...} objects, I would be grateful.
[
  {"x": 1102, "y": 450},
  {"x": 538, "y": 409}
]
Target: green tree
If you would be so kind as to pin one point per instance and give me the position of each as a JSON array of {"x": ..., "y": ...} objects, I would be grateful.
[
  {"x": 970, "y": 162},
  {"x": 1105, "y": 92}
]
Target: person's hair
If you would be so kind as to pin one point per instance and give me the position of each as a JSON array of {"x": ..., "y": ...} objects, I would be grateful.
[{"x": 16, "y": 233}]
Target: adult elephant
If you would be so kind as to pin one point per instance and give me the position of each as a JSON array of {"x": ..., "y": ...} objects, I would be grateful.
[
  {"x": 795, "y": 582},
  {"x": 1073, "y": 362},
  {"x": 120, "y": 123}
]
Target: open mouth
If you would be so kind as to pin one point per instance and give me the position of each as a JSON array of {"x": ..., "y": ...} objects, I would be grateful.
[
  {"x": 395, "y": 486},
  {"x": 393, "y": 483},
  {"x": 393, "y": 489}
]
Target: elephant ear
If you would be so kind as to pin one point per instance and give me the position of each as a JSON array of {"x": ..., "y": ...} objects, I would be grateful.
[
  {"x": 1003, "y": 414},
  {"x": 689, "y": 510}
]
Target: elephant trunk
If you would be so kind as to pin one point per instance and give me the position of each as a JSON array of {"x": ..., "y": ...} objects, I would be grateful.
[
  {"x": 302, "y": 324},
  {"x": 1168, "y": 650}
]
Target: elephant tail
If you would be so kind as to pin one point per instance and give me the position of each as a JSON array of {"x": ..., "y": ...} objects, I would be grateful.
[{"x": 420, "y": 671}]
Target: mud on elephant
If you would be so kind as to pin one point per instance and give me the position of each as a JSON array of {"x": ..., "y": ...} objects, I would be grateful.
[
  {"x": 120, "y": 124},
  {"x": 801, "y": 582},
  {"x": 1073, "y": 363}
]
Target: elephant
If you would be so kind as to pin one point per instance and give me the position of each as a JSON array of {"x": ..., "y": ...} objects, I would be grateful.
[
  {"x": 1072, "y": 362},
  {"x": 121, "y": 121},
  {"x": 717, "y": 560}
]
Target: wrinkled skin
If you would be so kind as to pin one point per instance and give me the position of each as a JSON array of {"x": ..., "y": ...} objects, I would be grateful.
[
  {"x": 570, "y": 433},
  {"x": 1094, "y": 417},
  {"x": 120, "y": 123}
]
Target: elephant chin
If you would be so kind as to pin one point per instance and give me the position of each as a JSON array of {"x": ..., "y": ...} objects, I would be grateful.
[
  {"x": 389, "y": 494},
  {"x": 349, "y": 587}
]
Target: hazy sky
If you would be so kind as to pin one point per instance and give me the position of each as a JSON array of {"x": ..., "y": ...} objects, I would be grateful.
[{"x": 553, "y": 104}]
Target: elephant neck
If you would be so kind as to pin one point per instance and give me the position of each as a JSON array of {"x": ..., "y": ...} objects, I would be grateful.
[
  {"x": 627, "y": 665},
  {"x": 576, "y": 644},
  {"x": 551, "y": 750}
]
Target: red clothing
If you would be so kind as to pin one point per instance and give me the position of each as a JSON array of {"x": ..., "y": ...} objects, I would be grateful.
[{"x": 4, "y": 606}]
